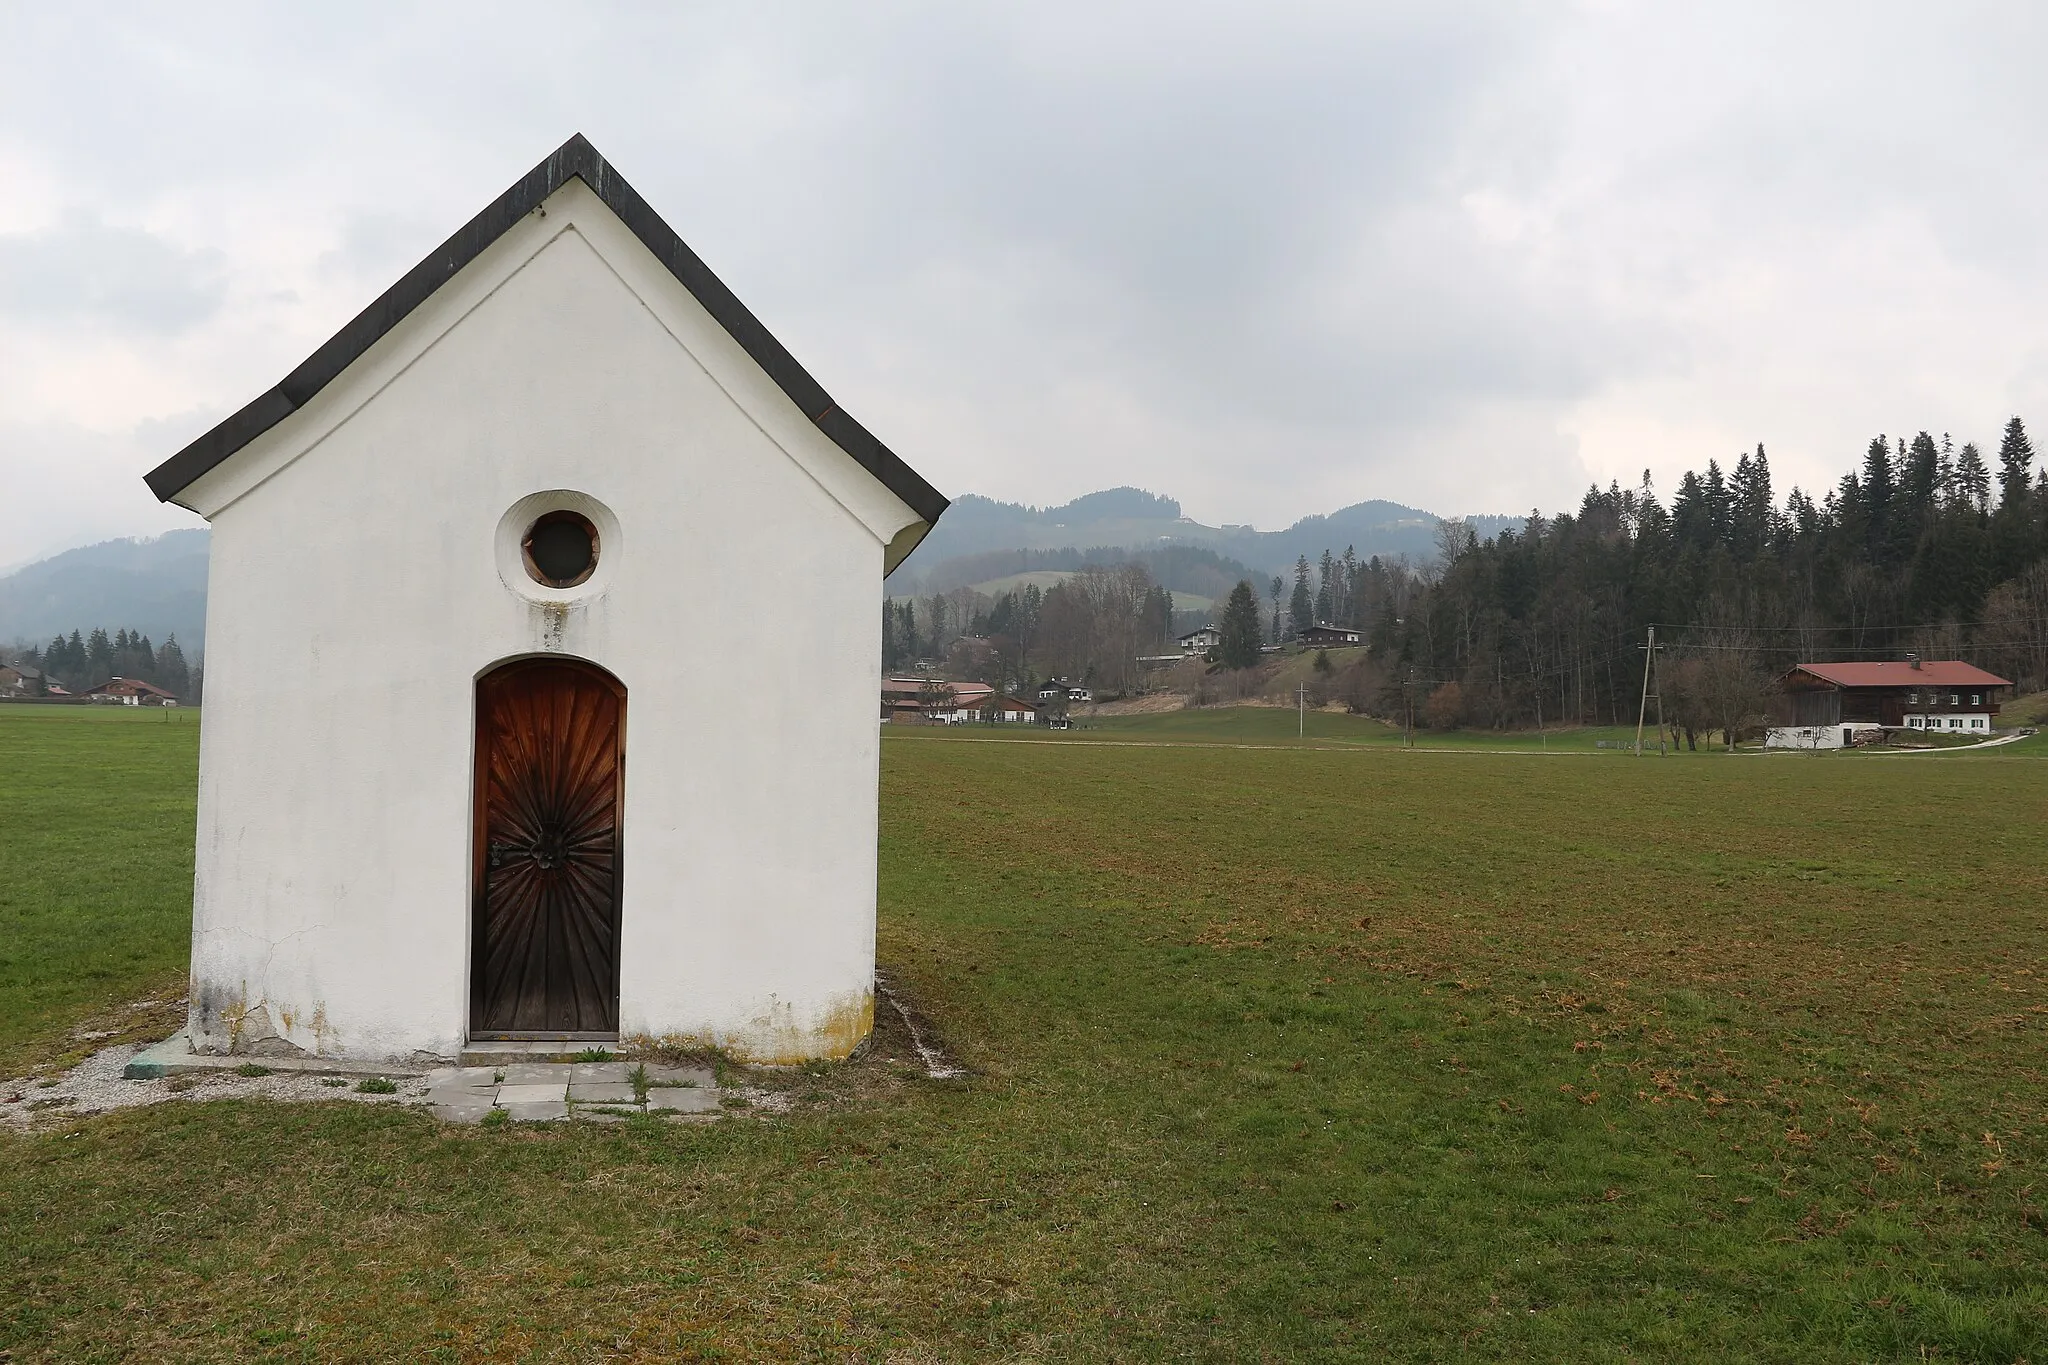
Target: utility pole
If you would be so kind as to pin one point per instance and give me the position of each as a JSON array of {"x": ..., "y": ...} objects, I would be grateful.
[
  {"x": 1300, "y": 711},
  {"x": 1408, "y": 696},
  {"x": 1643, "y": 710},
  {"x": 1657, "y": 695}
]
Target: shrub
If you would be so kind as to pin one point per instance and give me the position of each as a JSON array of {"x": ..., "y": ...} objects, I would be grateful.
[{"x": 1446, "y": 707}]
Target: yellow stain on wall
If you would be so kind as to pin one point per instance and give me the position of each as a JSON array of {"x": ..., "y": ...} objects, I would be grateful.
[{"x": 777, "y": 1039}]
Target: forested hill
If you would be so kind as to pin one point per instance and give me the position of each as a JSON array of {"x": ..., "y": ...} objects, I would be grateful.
[
  {"x": 1132, "y": 519},
  {"x": 154, "y": 587},
  {"x": 1924, "y": 548}
]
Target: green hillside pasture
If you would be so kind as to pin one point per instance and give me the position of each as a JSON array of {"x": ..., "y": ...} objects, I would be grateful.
[
  {"x": 1278, "y": 725},
  {"x": 1332, "y": 1054},
  {"x": 95, "y": 871}
]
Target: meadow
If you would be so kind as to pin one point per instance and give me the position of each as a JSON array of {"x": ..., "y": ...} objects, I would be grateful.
[{"x": 1303, "y": 1051}]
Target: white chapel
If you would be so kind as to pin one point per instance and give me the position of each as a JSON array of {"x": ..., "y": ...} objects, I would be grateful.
[{"x": 542, "y": 662}]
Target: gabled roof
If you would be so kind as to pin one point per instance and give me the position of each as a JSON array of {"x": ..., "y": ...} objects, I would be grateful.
[
  {"x": 575, "y": 159},
  {"x": 1932, "y": 673},
  {"x": 125, "y": 687}
]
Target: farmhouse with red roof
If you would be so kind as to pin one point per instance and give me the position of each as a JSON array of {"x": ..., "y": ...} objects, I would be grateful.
[{"x": 1832, "y": 703}]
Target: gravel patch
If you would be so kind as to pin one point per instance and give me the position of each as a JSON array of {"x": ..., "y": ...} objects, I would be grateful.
[{"x": 96, "y": 1086}]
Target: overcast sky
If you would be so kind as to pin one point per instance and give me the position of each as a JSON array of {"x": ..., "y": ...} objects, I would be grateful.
[{"x": 1270, "y": 259}]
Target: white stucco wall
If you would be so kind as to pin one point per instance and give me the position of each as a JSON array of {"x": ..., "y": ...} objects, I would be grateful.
[{"x": 355, "y": 596}]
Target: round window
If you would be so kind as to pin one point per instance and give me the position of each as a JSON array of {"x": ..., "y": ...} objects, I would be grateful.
[{"x": 560, "y": 549}]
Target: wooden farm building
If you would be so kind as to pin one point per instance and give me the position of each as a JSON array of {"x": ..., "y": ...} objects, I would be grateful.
[{"x": 1827, "y": 704}]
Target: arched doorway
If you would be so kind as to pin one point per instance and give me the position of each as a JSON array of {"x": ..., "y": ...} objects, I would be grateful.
[{"x": 550, "y": 786}]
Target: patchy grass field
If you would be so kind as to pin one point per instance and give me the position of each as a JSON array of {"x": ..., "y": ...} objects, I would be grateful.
[
  {"x": 1281, "y": 725},
  {"x": 1315, "y": 1054},
  {"x": 95, "y": 871}
]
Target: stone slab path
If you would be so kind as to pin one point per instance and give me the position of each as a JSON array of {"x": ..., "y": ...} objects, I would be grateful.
[
  {"x": 124, "y": 1076},
  {"x": 548, "y": 1091}
]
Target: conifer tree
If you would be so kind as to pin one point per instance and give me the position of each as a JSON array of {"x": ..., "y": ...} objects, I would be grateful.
[
  {"x": 1302, "y": 606},
  {"x": 1921, "y": 483},
  {"x": 1692, "y": 521},
  {"x": 1752, "y": 509},
  {"x": 1720, "y": 503},
  {"x": 171, "y": 670},
  {"x": 1240, "y": 627},
  {"x": 1879, "y": 488},
  {"x": 888, "y": 635},
  {"x": 1973, "y": 480},
  {"x": 99, "y": 652},
  {"x": 2015, "y": 467}
]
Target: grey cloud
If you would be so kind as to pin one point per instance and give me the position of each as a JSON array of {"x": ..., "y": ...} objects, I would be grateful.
[
  {"x": 1231, "y": 251},
  {"x": 69, "y": 485},
  {"x": 85, "y": 271}
]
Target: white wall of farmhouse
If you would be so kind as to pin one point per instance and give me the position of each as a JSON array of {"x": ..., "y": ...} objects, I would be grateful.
[{"x": 357, "y": 593}]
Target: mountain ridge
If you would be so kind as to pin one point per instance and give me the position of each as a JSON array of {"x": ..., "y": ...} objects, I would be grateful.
[
  {"x": 157, "y": 585},
  {"x": 1134, "y": 519},
  {"x": 152, "y": 584}
]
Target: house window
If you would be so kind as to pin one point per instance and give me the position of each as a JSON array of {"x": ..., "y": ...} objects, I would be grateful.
[
  {"x": 1913, "y": 698},
  {"x": 1976, "y": 699},
  {"x": 560, "y": 549},
  {"x": 1982, "y": 723},
  {"x": 1954, "y": 699}
]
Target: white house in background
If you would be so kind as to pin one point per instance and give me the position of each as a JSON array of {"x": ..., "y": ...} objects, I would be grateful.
[
  {"x": 131, "y": 692},
  {"x": 514, "y": 475},
  {"x": 1201, "y": 641},
  {"x": 989, "y": 708}
]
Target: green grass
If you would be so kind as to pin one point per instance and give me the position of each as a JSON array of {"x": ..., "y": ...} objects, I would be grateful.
[
  {"x": 95, "y": 871},
  {"x": 1335, "y": 1053},
  {"x": 1280, "y": 725}
]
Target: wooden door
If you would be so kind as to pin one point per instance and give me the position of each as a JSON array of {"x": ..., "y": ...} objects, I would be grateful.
[{"x": 550, "y": 775}]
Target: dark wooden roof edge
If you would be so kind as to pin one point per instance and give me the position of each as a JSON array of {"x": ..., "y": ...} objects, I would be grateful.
[{"x": 575, "y": 159}]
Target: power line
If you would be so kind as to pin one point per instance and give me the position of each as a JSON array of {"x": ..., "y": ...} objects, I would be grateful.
[{"x": 1858, "y": 630}]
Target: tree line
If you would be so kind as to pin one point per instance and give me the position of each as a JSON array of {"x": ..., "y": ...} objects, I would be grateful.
[
  {"x": 1924, "y": 548},
  {"x": 1092, "y": 626},
  {"x": 1190, "y": 569},
  {"x": 86, "y": 660}
]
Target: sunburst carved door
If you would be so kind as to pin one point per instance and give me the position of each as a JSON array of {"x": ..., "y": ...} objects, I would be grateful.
[{"x": 550, "y": 778}]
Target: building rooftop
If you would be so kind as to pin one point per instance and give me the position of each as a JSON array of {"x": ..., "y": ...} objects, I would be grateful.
[{"x": 1895, "y": 673}]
